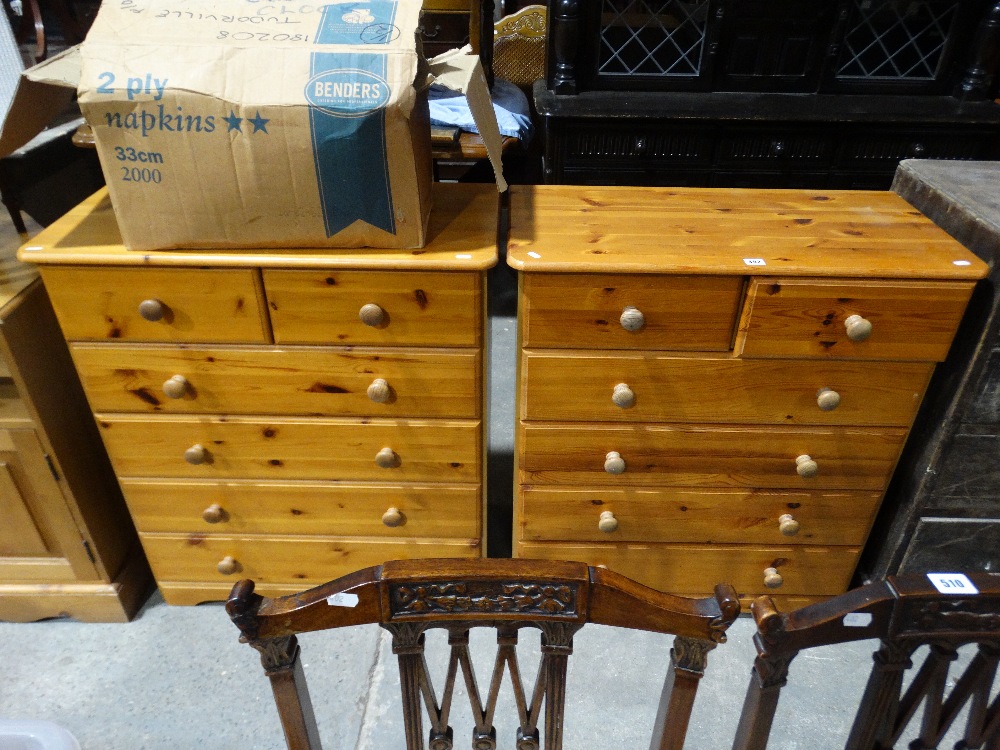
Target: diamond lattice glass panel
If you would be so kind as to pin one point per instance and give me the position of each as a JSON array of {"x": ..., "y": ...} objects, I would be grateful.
[
  {"x": 896, "y": 39},
  {"x": 642, "y": 37}
]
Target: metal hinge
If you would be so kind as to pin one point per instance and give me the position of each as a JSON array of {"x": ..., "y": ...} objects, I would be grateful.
[
  {"x": 90, "y": 552},
  {"x": 52, "y": 467}
]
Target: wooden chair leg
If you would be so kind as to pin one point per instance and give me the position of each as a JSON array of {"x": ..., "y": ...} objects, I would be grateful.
[
  {"x": 879, "y": 709},
  {"x": 280, "y": 659},
  {"x": 769, "y": 675},
  {"x": 688, "y": 659}
]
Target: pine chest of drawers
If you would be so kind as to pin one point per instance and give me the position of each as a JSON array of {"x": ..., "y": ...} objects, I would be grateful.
[
  {"x": 286, "y": 416},
  {"x": 715, "y": 385}
]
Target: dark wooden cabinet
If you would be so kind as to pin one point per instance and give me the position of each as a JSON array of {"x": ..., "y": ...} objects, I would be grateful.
[{"x": 785, "y": 93}]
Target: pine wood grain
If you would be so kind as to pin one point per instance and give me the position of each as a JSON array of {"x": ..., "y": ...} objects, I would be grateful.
[
  {"x": 578, "y": 386},
  {"x": 291, "y": 380},
  {"x": 682, "y": 515},
  {"x": 306, "y": 508}
]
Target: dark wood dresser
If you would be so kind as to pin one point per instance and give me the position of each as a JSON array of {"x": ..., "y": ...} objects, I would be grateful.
[{"x": 790, "y": 93}]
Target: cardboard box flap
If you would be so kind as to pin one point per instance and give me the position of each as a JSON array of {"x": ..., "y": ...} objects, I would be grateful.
[
  {"x": 461, "y": 71},
  {"x": 42, "y": 93}
]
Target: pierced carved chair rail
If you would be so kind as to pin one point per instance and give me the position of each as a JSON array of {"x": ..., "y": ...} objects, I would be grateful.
[{"x": 408, "y": 598}]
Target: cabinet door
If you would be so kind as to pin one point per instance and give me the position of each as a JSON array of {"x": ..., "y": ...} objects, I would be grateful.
[{"x": 39, "y": 539}]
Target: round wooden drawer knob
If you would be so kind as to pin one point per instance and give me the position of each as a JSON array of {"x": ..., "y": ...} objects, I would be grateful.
[
  {"x": 827, "y": 399},
  {"x": 614, "y": 463},
  {"x": 393, "y": 518},
  {"x": 772, "y": 578},
  {"x": 632, "y": 319},
  {"x": 152, "y": 310},
  {"x": 805, "y": 467},
  {"x": 608, "y": 523},
  {"x": 623, "y": 396},
  {"x": 214, "y": 514},
  {"x": 787, "y": 525},
  {"x": 175, "y": 387},
  {"x": 196, "y": 454},
  {"x": 379, "y": 391},
  {"x": 372, "y": 315},
  {"x": 858, "y": 328},
  {"x": 386, "y": 459},
  {"x": 228, "y": 565}
]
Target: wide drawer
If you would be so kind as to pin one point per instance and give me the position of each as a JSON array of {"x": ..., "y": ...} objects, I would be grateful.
[
  {"x": 633, "y": 514},
  {"x": 629, "y": 311},
  {"x": 297, "y": 380},
  {"x": 851, "y": 319},
  {"x": 196, "y": 305},
  {"x": 306, "y": 561},
  {"x": 588, "y": 386},
  {"x": 241, "y": 447},
  {"x": 706, "y": 456},
  {"x": 401, "y": 307},
  {"x": 694, "y": 571},
  {"x": 305, "y": 508}
]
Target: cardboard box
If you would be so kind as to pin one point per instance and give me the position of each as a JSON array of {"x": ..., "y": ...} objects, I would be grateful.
[{"x": 256, "y": 123}]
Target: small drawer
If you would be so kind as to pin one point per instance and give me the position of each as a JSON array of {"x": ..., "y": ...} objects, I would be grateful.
[
  {"x": 380, "y": 307},
  {"x": 693, "y": 571},
  {"x": 378, "y": 450},
  {"x": 305, "y": 508},
  {"x": 297, "y": 380},
  {"x": 591, "y": 386},
  {"x": 630, "y": 311},
  {"x": 308, "y": 562},
  {"x": 709, "y": 456},
  {"x": 695, "y": 516},
  {"x": 163, "y": 304},
  {"x": 850, "y": 319}
]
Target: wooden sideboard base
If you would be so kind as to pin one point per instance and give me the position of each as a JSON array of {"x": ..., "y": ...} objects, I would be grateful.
[{"x": 117, "y": 601}]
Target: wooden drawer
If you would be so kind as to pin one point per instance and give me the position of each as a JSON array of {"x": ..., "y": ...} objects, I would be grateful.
[
  {"x": 222, "y": 305},
  {"x": 298, "y": 380},
  {"x": 659, "y": 388},
  {"x": 808, "y": 318},
  {"x": 706, "y": 456},
  {"x": 418, "y": 308},
  {"x": 694, "y": 571},
  {"x": 240, "y": 447},
  {"x": 695, "y": 516},
  {"x": 304, "y": 508},
  {"x": 305, "y": 561},
  {"x": 584, "y": 311}
]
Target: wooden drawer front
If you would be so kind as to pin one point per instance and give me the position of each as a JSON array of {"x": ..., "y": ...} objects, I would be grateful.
[
  {"x": 237, "y": 447},
  {"x": 304, "y": 508},
  {"x": 694, "y": 571},
  {"x": 688, "y": 389},
  {"x": 308, "y": 381},
  {"x": 695, "y": 456},
  {"x": 197, "y": 304},
  {"x": 306, "y": 561},
  {"x": 793, "y": 318},
  {"x": 695, "y": 516},
  {"x": 420, "y": 309},
  {"x": 584, "y": 311}
]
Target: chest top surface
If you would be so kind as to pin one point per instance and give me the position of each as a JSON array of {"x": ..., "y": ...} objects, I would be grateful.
[
  {"x": 462, "y": 237},
  {"x": 726, "y": 231}
]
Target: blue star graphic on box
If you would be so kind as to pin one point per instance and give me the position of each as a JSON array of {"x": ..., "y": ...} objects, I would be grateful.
[
  {"x": 259, "y": 123},
  {"x": 234, "y": 122}
]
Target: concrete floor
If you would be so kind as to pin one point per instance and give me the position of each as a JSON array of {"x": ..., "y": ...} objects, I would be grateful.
[{"x": 177, "y": 677}]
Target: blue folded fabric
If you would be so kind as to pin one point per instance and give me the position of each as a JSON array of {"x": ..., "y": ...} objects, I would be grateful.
[{"x": 450, "y": 109}]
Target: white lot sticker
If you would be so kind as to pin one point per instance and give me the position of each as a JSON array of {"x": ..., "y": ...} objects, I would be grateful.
[
  {"x": 342, "y": 600},
  {"x": 857, "y": 619},
  {"x": 952, "y": 583},
  {"x": 754, "y": 262}
]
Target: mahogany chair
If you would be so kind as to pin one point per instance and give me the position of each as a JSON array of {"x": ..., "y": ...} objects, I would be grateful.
[
  {"x": 409, "y": 597},
  {"x": 904, "y": 613}
]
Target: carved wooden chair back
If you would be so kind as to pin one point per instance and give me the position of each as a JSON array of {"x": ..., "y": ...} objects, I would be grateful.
[
  {"x": 519, "y": 46},
  {"x": 409, "y": 597},
  {"x": 904, "y": 613}
]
